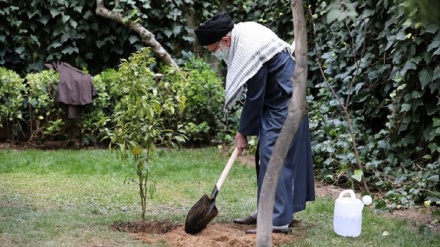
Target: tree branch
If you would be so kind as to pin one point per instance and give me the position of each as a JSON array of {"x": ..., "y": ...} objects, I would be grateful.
[{"x": 146, "y": 36}]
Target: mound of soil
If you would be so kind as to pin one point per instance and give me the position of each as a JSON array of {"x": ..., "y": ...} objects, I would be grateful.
[{"x": 214, "y": 235}]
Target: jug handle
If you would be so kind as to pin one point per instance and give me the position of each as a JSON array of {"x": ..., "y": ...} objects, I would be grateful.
[{"x": 351, "y": 192}]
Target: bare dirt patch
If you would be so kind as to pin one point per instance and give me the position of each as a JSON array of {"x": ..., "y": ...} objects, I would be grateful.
[{"x": 214, "y": 235}]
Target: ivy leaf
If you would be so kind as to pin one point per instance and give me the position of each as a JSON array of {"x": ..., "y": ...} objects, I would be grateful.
[
  {"x": 324, "y": 108},
  {"x": 405, "y": 107},
  {"x": 434, "y": 86},
  {"x": 174, "y": 14},
  {"x": 35, "y": 39},
  {"x": 54, "y": 12},
  {"x": 436, "y": 122},
  {"x": 73, "y": 23},
  {"x": 368, "y": 13},
  {"x": 44, "y": 19},
  {"x": 416, "y": 95},
  {"x": 78, "y": 9},
  {"x": 66, "y": 36},
  {"x": 168, "y": 33},
  {"x": 330, "y": 149},
  {"x": 434, "y": 178},
  {"x": 31, "y": 14},
  {"x": 432, "y": 28},
  {"x": 432, "y": 108},
  {"x": 357, "y": 175},
  {"x": 390, "y": 22},
  {"x": 383, "y": 144},
  {"x": 437, "y": 52},
  {"x": 358, "y": 87},
  {"x": 177, "y": 29},
  {"x": 100, "y": 43},
  {"x": 65, "y": 18},
  {"x": 427, "y": 57},
  {"x": 54, "y": 45},
  {"x": 70, "y": 50},
  {"x": 132, "y": 39},
  {"x": 20, "y": 49},
  {"x": 391, "y": 40},
  {"x": 433, "y": 147},
  {"x": 436, "y": 74},
  {"x": 425, "y": 77},
  {"x": 409, "y": 65},
  {"x": 434, "y": 44},
  {"x": 380, "y": 204},
  {"x": 401, "y": 35},
  {"x": 373, "y": 75},
  {"x": 333, "y": 15}
]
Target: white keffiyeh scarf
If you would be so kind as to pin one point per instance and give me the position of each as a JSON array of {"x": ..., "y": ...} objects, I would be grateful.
[{"x": 252, "y": 45}]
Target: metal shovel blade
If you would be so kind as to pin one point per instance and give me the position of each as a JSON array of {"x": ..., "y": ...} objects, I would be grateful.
[
  {"x": 205, "y": 210},
  {"x": 200, "y": 215}
]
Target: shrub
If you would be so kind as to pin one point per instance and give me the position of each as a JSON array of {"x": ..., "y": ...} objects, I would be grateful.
[
  {"x": 12, "y": 91},
  {"x": 44, "y": 117},
  {"x": 96, "y": 117}
]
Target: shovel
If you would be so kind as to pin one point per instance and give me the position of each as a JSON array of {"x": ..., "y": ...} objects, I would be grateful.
[{"x": 205, "y": 210}]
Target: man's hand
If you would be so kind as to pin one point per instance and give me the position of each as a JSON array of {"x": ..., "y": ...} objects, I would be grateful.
[{"x": 240, "y": 142}]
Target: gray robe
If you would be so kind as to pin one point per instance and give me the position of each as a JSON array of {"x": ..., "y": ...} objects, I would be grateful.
[{"x": 264, "y": 112}]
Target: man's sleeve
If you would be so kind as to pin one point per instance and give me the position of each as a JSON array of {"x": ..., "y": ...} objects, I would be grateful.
[{"x": 250, "y": 121}]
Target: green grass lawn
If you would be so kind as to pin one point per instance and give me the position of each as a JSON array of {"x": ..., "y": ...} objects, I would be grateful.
[{"x": 71, "y": 197}]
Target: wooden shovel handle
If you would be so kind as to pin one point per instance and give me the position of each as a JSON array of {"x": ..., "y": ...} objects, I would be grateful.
[{"x": 227, "y": 169}]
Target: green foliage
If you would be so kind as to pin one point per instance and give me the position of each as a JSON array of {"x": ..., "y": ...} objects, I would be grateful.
[
  {"x": 142, "y": 105},
  {"x": 36, "y": 32},
  {"x": 196, "y": 85},
  {"x": 168, "y": 21},
  {"x": 44, "y": 117},
  {"x": 12, "y": 88},
  {"x": 204, "y": 106},
  {"x": 340, "y": 10},
  {"x": 12, "y": 91},
  {"x": 424, "y": 11},
  {"x": 275, "y": 14},
  {"x": 139, "y": 114},
  {"x": 386, "y": 68},
  {"x": 95, "y": 118}
]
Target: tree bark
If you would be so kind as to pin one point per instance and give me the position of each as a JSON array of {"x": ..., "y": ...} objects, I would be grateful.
[
  {"x": 298, "y": 108},
  {"x": 146, "y": 36}
]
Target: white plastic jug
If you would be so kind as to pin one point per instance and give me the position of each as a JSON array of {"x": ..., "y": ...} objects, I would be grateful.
[{"x": 347, "y": 218}]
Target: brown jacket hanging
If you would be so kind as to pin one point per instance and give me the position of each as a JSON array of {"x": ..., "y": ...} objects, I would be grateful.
[{"x": 75, "y": 88}]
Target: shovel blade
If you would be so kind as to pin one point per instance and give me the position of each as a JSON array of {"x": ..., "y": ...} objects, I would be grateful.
[{"x": 200, "y": 215}]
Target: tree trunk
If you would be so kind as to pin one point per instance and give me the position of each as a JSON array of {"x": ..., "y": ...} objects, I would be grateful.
[
  {"x": 298, "y": 108},
  {"x": 146, "y": 36}
]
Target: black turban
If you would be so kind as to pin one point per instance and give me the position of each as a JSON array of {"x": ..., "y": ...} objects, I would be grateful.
[{"x": 214, "y": 29}]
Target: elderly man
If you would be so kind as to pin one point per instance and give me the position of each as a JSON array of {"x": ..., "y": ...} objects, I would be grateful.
[{"x": 261, "y": 66}]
